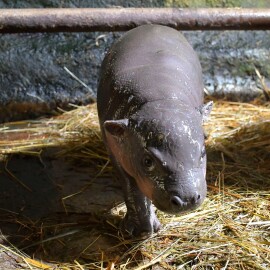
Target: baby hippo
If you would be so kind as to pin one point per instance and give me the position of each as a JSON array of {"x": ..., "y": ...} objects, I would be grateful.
[{"x": 150, "y": 107}]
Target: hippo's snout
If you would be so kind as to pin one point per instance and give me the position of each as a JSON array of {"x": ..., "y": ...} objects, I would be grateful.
[
  {"x": 179, "y": 197},
  {"x": 178, "y": 202},
  {"x": 174, "y": 204}
]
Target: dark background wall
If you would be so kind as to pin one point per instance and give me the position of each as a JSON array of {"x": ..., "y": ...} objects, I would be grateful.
[{"x": 33, "y": 80}]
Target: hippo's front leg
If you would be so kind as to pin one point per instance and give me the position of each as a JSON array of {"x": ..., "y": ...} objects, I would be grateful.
[{"x": 140, "y": 218}]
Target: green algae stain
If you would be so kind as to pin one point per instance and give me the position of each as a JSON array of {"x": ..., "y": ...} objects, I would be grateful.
[{"x": 217, "y": 3}]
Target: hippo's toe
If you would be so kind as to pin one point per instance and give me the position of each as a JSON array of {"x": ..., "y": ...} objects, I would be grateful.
[{"x": 131, "y": 226}]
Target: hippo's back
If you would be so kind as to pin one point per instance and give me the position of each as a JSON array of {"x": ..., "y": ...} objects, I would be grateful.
[{"x": 147, "y": 64}]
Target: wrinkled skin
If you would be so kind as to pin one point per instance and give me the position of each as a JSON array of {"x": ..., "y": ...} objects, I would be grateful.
[{"x": 150, "y": 106}]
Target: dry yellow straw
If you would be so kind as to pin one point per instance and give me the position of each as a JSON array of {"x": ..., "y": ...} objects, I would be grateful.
[{"x": 232, "y": 228}]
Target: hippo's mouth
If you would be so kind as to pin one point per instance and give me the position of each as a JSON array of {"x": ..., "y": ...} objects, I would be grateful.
[{"x": 171, "y": 205}]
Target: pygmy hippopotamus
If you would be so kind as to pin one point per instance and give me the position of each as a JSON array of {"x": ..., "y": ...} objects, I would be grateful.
[{"x": 150, "y": 107}]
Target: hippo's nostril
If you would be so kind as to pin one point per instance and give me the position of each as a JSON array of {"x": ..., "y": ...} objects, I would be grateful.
[
  {"x": 196, "y": 198},
  {"x": 176, "y": 201}
]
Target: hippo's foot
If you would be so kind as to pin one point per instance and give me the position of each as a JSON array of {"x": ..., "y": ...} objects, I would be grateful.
[{"x": 132, "y": 226}]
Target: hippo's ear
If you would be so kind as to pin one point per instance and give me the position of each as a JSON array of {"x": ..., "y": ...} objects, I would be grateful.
[
  {"x": 116, "y": 128},
  {"x": 205, "y": 110}
]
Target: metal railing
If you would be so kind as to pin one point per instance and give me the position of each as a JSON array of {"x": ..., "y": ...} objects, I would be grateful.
[{"x": 122, "y": 19}]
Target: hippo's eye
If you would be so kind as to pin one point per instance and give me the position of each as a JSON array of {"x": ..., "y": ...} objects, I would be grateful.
[{"x": 148, "y": 163}]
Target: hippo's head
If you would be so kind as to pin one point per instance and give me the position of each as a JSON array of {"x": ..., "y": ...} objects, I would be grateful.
[{"x": 163, "y": 149}]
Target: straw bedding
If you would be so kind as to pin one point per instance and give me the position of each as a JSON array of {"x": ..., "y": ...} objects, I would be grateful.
[{"x": 232, "y": 228}]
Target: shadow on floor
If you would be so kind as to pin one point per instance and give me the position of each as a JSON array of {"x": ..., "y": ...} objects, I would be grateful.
[{"x": 51, "y": 209}]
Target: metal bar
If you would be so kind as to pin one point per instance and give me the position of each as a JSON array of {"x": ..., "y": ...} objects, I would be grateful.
[{"x": 122, "y": 19}]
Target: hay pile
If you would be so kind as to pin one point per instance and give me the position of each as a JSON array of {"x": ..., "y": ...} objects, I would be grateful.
[{"x": 232, "y": 228}]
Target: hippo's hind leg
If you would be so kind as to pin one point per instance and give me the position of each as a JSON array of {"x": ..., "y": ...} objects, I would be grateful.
[{"x": 140, "y": 219}]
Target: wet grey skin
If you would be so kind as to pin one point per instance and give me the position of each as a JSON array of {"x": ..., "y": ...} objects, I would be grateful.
[{"x": 150, "y": 107}]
